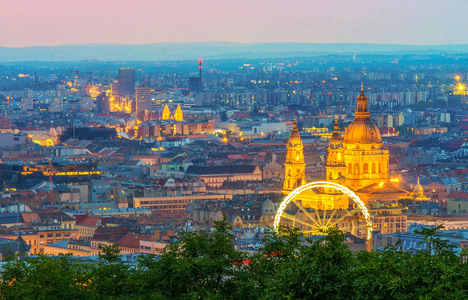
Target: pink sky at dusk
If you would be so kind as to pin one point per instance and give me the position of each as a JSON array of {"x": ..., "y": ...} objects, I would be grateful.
[{"x": 56, "y": 22}]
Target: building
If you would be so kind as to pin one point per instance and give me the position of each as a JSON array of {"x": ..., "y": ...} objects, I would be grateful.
[
  {"x": 86, "y": 103},
  {"x": 152, "y": 247},
  {"x": 273, "y": 169},
  {"x": 126, "y": 80},
  {"x": 56, "y": 104},
  {"x": 175, "y": 203},
  {"x": 294, "y": 166},
  {"x": 27, "y": 103},
  {"x": 143, "y": 100},
  {"x": 215, "y": 176},
  {"x": 166, "y": 114},
  {"x": 178, "y": 115},
  {"x": 12, "y": 140},
  {"x": 357, "y": 161},
  {"x": 114, "y": 87},
  {"x": 68, "y": 246}
]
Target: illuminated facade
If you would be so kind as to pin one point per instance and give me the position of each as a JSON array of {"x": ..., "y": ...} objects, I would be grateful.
[
  {"x": 179, "y": 115},
  {"x": 365, "y": 160},
  {"x": 294, "y": 166},
  {"x": 357, "y": 160},
  {"x": 357, "y": 165},
  {"x": 166, "y": 114}
]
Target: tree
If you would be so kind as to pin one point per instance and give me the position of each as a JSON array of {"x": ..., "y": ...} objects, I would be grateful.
[{"x": 111, "y": 253}]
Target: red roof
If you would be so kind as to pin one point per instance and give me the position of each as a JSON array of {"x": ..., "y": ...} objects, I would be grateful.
[
  {"x": 30, "y": 217},
  {"x": 132, "y": 240},
  {"x": 91, "y": 221},
  {"x": 109, "y": 234},
  {"x": 460, "y": 195}
]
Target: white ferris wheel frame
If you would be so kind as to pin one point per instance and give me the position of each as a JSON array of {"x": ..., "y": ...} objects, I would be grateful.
[{"x": 326, "y": 184}]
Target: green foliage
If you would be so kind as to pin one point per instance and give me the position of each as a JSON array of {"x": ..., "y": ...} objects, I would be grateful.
[
  {"x": 205, "y": 265},
  {"x": 110, "y": 253}
]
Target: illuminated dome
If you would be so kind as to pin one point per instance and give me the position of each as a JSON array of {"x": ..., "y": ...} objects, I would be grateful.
[{"x": 362, "y": 129}]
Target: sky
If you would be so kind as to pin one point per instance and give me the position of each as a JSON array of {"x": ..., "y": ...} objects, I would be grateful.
[{"x": 59, "y": 22}]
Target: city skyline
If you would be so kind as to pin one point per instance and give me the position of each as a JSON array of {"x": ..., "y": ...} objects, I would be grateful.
[{"x": 52, "y": 22}]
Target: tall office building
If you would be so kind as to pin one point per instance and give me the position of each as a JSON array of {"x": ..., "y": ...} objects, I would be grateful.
[
  {"x": 114, "y": 90},
  {"x": 126, "y": 80},
  {"x": 102, "y": 104},
  {"x": 143, "y": 100}
]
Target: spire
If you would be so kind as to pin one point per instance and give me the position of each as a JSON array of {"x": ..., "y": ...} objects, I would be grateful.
[
  {"x": 336, "y": 136},
  {"x": 294, "y": 132},
  {"x": 418, "y": 189},
  {"x": 362, "y": 111},
  {"x": 166, "y": 115},
  {"x": 179, "y": 115}
]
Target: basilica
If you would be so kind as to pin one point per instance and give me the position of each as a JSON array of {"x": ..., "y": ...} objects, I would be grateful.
[{"x": 357, "y": 160}]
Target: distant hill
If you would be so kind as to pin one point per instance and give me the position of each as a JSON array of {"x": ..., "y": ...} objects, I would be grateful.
[{"x": 207, "y": 50}]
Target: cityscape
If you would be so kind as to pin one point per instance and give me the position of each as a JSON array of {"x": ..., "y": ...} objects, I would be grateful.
[{"x": 228, "y": 171}]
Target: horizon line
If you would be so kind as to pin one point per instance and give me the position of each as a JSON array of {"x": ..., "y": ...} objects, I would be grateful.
[{"x": 231, "y": 42}]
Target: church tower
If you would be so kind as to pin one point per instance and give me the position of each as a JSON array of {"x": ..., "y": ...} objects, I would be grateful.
[
  {"x": 294, "y": 166},
  {"x": 365, "y": 158},
  {"x": 166, "y": 114},
  {"x": 179, "y": 115},
  {"x": 336, "y": 168}
]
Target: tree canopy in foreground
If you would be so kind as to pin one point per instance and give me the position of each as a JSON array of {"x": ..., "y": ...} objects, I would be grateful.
[{"x": 206, "y": 266}]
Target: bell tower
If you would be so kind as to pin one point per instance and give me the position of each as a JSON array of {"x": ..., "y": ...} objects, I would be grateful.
[
  {"x": 294, "y": 166},
  {"x": 336, "y": 168}
]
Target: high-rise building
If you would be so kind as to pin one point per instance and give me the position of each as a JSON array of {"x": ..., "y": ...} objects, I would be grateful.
[
  {"x": 114, "y": 90},
  {"x": 126, "y": 80},
  {"x": 143, "y": 100},
  {"x": 102, "y": 104}
]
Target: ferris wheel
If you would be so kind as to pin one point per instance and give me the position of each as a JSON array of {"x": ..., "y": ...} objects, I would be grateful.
[{"x": 317, "y": 206}]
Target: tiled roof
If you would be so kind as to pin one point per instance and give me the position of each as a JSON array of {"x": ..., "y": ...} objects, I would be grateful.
[
  {"x": 132, "y": 240},
  {"x": 59, "y": 216},
  {"x": 91, "y": 221},
  {"x": 30, "y": 217},
  {"x": 109, "y": 234}
]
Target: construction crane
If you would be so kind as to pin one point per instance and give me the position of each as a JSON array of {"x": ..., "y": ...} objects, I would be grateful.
[{"x": 86, "y": 63}]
